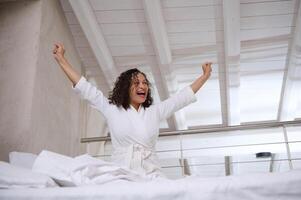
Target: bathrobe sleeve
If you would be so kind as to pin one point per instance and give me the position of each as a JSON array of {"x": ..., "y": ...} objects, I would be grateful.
[
  {"x": 178, "y": 101},
  {"x": 90, "y": 93}
]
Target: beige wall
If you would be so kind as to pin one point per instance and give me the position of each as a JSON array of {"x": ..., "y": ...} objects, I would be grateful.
[{"x": 38, "y": 109}]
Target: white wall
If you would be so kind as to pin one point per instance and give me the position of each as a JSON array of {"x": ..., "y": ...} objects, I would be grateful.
[{"x": 38, "y": 109}]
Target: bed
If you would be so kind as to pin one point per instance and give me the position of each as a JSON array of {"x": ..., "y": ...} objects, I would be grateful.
[{"x": 284, "y": 185}]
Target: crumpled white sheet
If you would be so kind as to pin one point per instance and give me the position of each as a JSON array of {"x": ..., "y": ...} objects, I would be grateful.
[{"x": 81, "y": 170}]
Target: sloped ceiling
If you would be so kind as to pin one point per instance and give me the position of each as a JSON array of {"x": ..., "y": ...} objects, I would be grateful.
[{"x": 255, "y": 46}]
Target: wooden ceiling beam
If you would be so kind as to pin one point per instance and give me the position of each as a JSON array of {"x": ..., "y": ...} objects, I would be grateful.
[
  {"x": 231, "y": 14},
  {"x": 95, "y": 37},
  {"x": 164, "y": 76},
  {"x": 291, "y": 87}
]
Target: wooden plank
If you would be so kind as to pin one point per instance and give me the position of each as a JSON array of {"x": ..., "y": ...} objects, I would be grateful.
[
  {"x": 209, "y": 12},
  {"x": 267, "y": 8},
  {"x": 128, "y": 40},
  {"x": 264, "y": 33},
  {"x": 266, "y": 22},
  {"x": 124, "y": 28},
  {"x": 189, "y": 3},
  {"x": 198, "y": 38},
  {"x": 120, "y": 16},
  {"x": 116, "y": 4},
  {"x": 204, "y": 25},
  {"x": 131, "y": 50}
]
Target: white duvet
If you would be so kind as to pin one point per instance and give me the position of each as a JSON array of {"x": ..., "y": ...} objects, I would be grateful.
[{"x": 81, "y": 170}]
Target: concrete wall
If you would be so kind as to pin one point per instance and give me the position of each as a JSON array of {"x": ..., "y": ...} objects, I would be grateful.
[{"x": 38, "y": 109}]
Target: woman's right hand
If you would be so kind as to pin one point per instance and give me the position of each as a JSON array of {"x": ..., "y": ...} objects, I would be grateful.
[{"x": 58, "y": 51}]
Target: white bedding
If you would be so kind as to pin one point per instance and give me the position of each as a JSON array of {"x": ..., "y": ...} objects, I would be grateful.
[
  {"x": 286, "y": 186},
  {"x": 81, "y": 170},
  {"x": 22, "y": 159},
  {"x": 12, "y": 176}
]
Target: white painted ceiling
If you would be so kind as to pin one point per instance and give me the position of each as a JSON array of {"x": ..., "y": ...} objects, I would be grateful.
[{"x": 255, "y": 46}]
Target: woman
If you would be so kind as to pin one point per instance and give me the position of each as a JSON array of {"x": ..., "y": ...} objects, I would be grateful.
[{"x": 132, "y": 119}]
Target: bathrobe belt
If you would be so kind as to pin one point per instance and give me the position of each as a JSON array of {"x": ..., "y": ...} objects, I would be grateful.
[{"x": 136, "y": 155}]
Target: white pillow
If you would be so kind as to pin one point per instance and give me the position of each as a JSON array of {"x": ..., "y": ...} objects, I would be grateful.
[
  {"x": 22, "y": 159},
  {"x": 16, "y": 177}
]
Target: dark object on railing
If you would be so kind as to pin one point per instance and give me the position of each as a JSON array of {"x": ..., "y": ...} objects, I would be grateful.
[
  {"x": 228, "y": 166},
  {"x": 263, "y": 155}
]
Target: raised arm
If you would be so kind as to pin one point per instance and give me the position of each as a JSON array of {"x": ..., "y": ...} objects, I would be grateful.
[
  {"x": 199, "y": 82},
  {"x": 81, "y": 86},
  {"x": 58, "y": 53},
  {"x": 185, "y": 97}
]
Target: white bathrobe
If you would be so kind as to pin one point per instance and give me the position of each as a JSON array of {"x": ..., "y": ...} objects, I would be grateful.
[{"x": 134, "y": 133}]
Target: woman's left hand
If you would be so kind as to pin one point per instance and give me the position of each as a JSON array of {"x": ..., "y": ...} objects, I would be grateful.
[{"x": 207, "y": 69}]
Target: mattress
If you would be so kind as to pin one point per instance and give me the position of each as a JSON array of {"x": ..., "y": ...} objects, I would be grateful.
[{"x": 285, "y": 185}]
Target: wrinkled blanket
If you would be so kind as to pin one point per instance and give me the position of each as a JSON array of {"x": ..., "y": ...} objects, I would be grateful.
[{"x": 81, "y": 170}]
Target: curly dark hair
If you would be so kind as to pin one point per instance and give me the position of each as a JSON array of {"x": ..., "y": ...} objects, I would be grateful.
[{"x": 120, "y": 95}]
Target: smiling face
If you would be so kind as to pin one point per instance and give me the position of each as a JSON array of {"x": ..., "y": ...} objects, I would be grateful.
[{"x": 138, "y": 90}]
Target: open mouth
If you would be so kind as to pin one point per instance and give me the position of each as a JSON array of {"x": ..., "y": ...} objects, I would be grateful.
[{"x": 141, "y": 94}]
